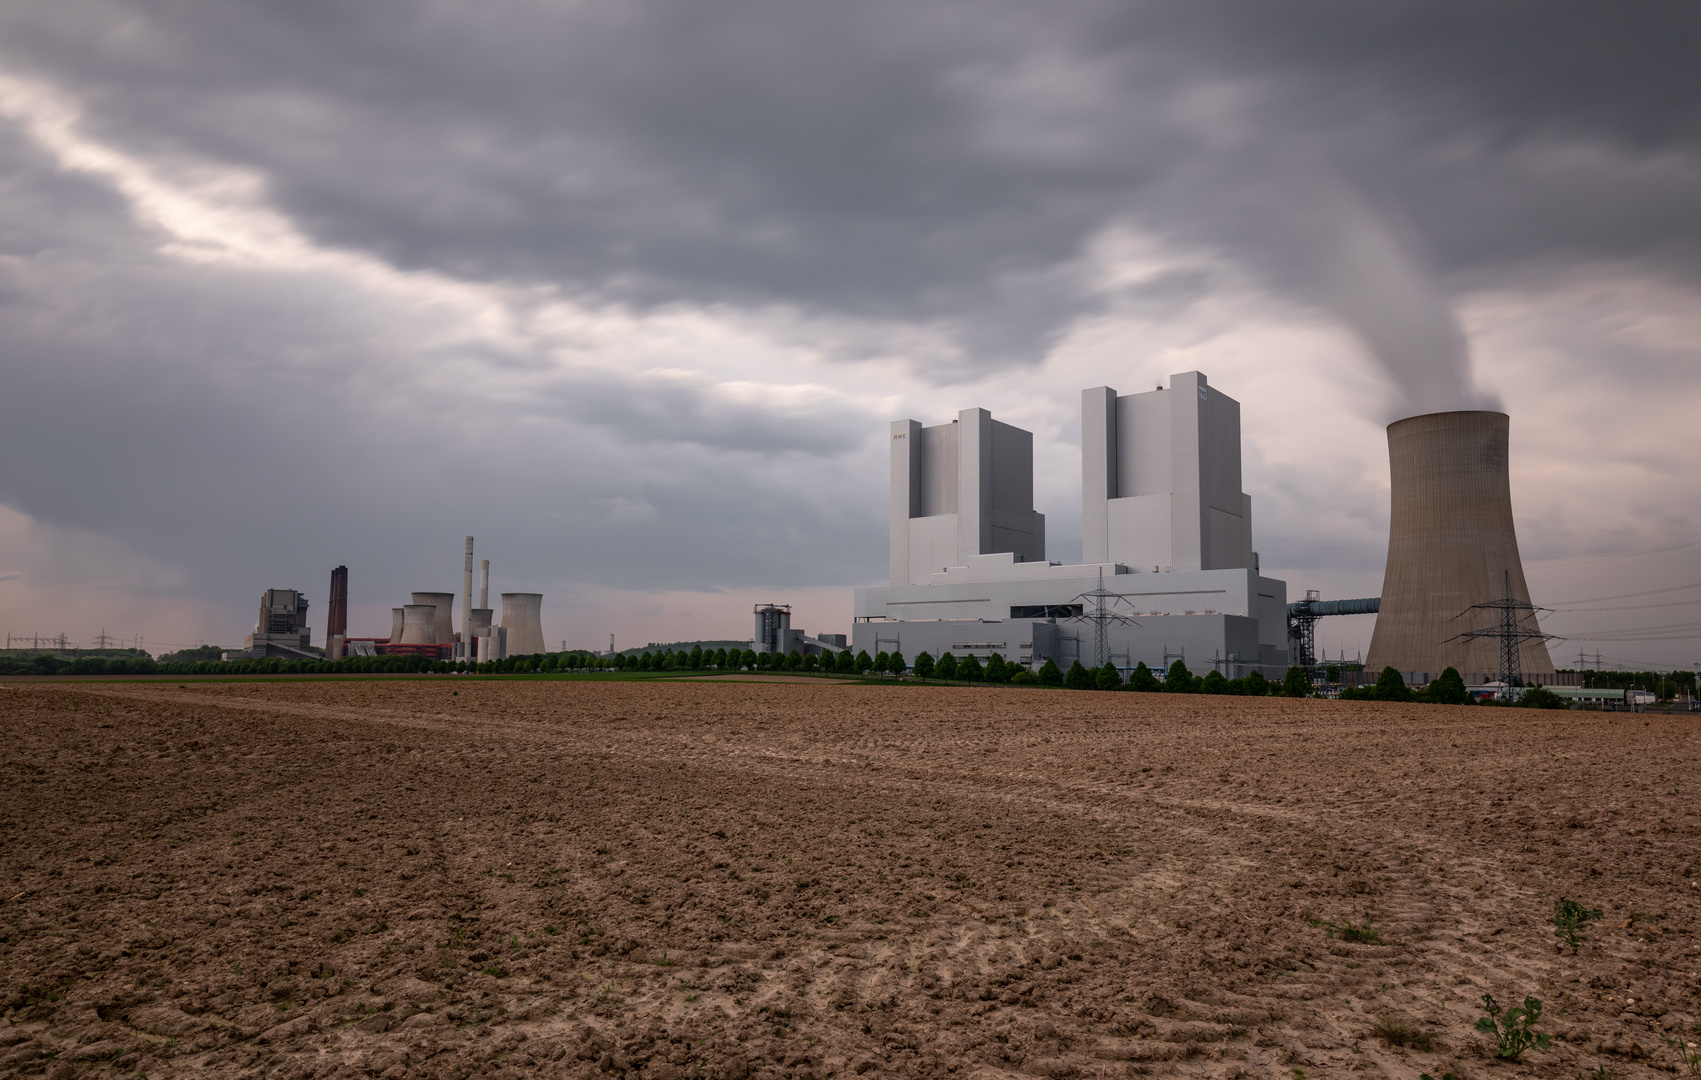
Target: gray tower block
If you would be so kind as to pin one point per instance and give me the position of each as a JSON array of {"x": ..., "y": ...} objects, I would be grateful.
[
  {"x": 958, "y": 490},
  {"x": 1161, "y": 481}
]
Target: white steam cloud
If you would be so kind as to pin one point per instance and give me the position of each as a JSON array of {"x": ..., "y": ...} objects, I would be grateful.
[{"x": 1371, "y": 274}]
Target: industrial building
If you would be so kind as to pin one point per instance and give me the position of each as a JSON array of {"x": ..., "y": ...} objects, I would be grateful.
[
  {"x": 426, "y": 626},
  {"x": 1170, "y": 574},
  {"x": 281, "y": 629},
  {"x": 773, "y": 634}
]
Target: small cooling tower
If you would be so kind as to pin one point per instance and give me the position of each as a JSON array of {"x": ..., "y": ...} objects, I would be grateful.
[
  {"x": 419, "y": 624},
  {"x": 522, "y": 618},
  {"x": 480, "y": 621},
  {"x": 1451, "y": 545},
  {"x": 445, "y": 603},
  {"x": 396, "y": 616}
]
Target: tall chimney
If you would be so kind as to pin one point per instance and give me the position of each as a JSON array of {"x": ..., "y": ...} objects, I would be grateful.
[
  {"x": 466, "y": 603},
  {"x": 1451, "y": 545},
  {"x": 484, "y": 584},
  {"x": 336, "y": 619}
]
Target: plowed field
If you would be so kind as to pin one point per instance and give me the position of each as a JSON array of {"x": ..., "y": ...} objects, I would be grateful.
[{"x": 659, "y": 880}]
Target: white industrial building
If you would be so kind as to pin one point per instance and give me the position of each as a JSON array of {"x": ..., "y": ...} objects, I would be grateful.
[{"x": 1169, "y": 573}]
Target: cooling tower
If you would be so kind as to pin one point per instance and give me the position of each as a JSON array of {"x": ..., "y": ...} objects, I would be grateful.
[
  {"x": 522, "y": 618},
  {"x": 395, "y": 624},
  {"x": 1450, "y": 545},
  {"x": 480, "y": 621},
  {"x": 445, "y": 603},
  {"x": 419, "y": 624}
]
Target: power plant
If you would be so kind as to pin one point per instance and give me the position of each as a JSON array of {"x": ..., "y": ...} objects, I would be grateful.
[
  {"x": 1171, "y": 573},
  {"x": 1169, "y": 569},
  {"x": 426, "y": 625},
  {"x": 1453, "y": 553}
]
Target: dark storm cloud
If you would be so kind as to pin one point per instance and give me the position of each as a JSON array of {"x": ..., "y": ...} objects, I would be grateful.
[{"x": 924, "y": 179}]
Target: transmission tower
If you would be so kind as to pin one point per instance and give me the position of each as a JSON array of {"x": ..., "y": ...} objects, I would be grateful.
[
  {"x": 1098, "y": 607},
  {"x": 1510, "y": 632}
]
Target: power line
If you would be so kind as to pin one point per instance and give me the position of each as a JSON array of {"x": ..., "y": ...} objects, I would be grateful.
[
  {"x": 1632, "y": 595},
  {"x": 1633, "y": 607},
  {"x": 1609, "y": 558}
]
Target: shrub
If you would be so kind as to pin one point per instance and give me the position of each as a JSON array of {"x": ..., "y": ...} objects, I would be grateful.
[
  {"x": 1254, "y": 684},
  {"x": 1296, "y": 684},
  {"x": 1023, "y": 677},
  {"x": 1214, "y": 683},
  {"x": 1512, "y": 1028},
  {"x": 1540, "y": 697},
  {"x": 1107, "y": 678},
  {"x": 1568, "y": 921},
  {"x": 1142, "y": 679},
  {"x": 1050, "y": 674},
  {"x": 1391, "y": 686},
  {"x": 1448, "y": 689},
  {"x": 1079, "y": 678},
  {"x": 1180, "y": 680}
]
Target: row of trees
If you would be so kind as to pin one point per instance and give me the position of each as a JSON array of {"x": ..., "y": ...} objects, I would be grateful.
[{"x": 1448, "y": 689}]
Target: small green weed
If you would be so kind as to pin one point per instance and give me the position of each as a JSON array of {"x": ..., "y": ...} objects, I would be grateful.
[
  {"x": 1512, "y": 1028},
  {"x": 1347, "y": 930},
  {"x": 1688, "y": 1052},
  {"x": 496, "y": 971},
  {"x": 1444, "y": 1076},
  {"x": 1399, "y": 1031},
  {"x": 1568, "y": 919},
  {"x": 1601, "y": 1073}
]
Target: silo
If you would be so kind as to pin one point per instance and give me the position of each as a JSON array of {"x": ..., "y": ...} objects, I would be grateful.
[
  {"x": 419, "y": 624},
  {"x": 522, "y": 618},
  {"x": 444, "y": 603},
  {"x": 1451, "y": 545},
  {"x": 396, "y": 624}
]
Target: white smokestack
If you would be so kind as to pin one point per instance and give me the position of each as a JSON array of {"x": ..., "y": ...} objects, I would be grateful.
[{"x": 466, "y": 601}]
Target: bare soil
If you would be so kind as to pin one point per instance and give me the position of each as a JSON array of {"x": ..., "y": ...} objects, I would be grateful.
[{"x": 453, "y": 877}]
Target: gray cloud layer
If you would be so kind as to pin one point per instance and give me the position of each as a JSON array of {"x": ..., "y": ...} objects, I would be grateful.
[{"x": 916, "y": 183}]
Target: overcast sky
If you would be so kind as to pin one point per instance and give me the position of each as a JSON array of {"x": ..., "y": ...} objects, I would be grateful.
[{"x": 629, "y": 291}]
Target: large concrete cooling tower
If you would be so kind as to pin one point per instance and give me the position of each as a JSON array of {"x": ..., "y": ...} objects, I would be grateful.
[
  {"x": 445, "y": 602},
  {"x": 419, "y": 624},
  {"x": 522, "y": 618},
  {"x": 1451, "y": 545}
]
